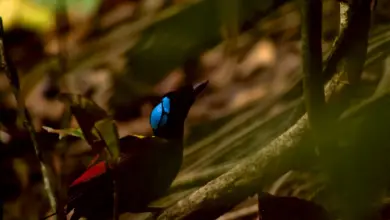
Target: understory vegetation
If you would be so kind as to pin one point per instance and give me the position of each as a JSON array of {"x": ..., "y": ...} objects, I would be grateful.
[{"x": 293, "y": 123}]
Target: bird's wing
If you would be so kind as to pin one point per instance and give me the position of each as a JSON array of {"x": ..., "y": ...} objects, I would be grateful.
[
  {"x": 130, "y": 138},
  {"x": 92, "y": 185},
  {"x": 131, "y": 146},
  {"x": 93, "y": 171}
]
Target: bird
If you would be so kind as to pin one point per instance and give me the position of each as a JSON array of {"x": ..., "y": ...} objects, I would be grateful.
[
  {"x": 147, "y": 164},
  {"x": 273, "y": 207}
]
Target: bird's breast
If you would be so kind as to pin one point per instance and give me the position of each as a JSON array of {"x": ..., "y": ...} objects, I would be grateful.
[{"x": 150, "y": 175}]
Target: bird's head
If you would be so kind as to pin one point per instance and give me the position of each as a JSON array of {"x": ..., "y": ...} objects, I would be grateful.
[{"x": 167, "y": 118}]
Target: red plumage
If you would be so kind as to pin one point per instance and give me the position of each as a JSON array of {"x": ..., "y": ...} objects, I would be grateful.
[
  {"x": 93, "y": 171},
  {"x": 146, "y": 169}
]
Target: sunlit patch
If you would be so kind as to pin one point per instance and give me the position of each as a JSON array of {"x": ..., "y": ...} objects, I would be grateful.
[
  {"x": 138, "y": 136},
  {"x": 159, "y": 115},
  {"x": 4, "y": 137},
  {"x": 141, "y": 136}
]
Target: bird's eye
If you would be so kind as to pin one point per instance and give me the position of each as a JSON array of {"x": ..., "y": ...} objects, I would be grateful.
[{"x": 159, "y": 115}]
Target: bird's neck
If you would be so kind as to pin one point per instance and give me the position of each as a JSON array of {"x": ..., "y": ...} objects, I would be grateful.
[{"x": 173, "y": 132}]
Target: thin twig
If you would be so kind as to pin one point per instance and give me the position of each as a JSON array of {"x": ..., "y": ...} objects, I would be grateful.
[
  {"x": 12, "y": 74},
  {"x": 61, "y": 20},
  {"x": 108, "y": 132},
  {"x": 313, "y": 89},
  {"x": 115, "y": 212},
  {"x": 384, "y": 83},
  {"x": 111, "y": 171}
]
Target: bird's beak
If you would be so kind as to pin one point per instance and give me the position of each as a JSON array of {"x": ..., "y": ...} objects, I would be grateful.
[{"x": 199, "y": 87}]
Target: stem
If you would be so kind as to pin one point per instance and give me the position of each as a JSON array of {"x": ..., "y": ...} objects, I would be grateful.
[
  {"x": 313, "y": 90},
  {"x": 358, "y": 15},
  {"x": 12, "y": 74},
  {"x": 61, "y": 21}
]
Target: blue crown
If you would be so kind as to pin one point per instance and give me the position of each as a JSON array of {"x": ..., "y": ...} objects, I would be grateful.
[{"x": 159, "y": 115}]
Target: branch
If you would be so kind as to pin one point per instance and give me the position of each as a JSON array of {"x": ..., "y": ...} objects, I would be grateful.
[
  {"x": 244, "y": 180},
  {"x": 12, "y": 75},
  {"x": 313, "y": 90},
  {"x": 196, "y": 179},
  {"x": 62, "y": 22},
  {"x": 353, "y": 21},
  {"x": 384, "y": 83},
  {"x": 241, "y": 181},
  {"x": 358, "y": 16},
  {"x": 190, "y": 179},
  {"x": 10, "y": 70}
]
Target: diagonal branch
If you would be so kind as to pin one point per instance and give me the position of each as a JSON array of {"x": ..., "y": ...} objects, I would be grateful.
[{"x": 244, "y": 180}]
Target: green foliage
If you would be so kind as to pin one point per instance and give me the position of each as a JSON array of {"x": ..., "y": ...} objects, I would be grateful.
[
  {"x": 184, "y": 32},
  {"x": 96, "y": 126},
  {"x": 26, "y": 14},
  {"x": 85, "y": 6},
  {"x": 108, "y": 132},
  {"x": 87, "y": 113},
  {"x": 75, "y": 132}
]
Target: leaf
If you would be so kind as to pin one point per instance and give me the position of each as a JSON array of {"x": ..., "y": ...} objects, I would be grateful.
[
  {"x": 96, "y": 126},
  {"x": 27, "y": 14},
  {"x": 185, "y": 31},
  {"x": 108, "y": 132},
  {"x": 76, "y": 132},
  {"x": 87, "y": 113},
  {"x": 82, "y": 6}
]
